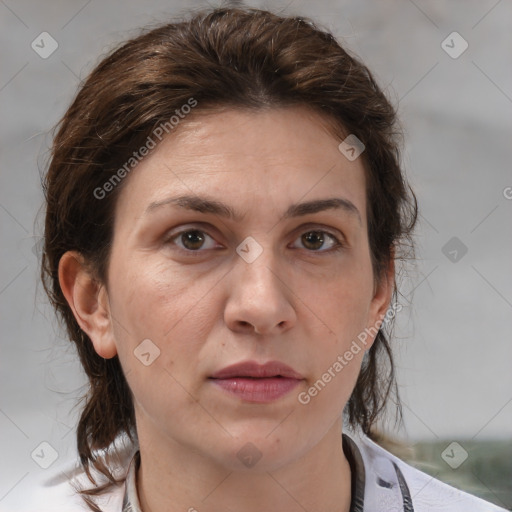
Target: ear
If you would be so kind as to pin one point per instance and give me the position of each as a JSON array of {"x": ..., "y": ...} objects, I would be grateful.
[
  {"x": 383, "y": 291},
  {"x": 88, "y": 299}
]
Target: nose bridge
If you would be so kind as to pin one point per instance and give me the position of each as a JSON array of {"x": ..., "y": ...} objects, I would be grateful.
[{"x": 256, "y": 264}]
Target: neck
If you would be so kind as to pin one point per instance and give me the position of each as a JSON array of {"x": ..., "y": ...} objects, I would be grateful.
[{"x": 173, "y": 478}]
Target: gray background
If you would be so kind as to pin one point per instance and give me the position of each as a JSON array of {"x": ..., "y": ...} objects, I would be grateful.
[{"x": 453, "y": 341}]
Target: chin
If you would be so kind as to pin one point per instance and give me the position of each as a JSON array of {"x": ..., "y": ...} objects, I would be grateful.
[{"x": 257, "y": 451}]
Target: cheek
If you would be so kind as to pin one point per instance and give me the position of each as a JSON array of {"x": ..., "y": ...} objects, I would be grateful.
[
  {"x": 342, "y": 305},
  {"x": 160, "y": 325},
  {"x": 172, "y": 310},
  {"x": 341, "y": 301},
  {"x": 153, "y": 299}
]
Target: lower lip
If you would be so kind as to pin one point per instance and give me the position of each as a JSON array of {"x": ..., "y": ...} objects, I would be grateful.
[{"x": 257, "y": 390}]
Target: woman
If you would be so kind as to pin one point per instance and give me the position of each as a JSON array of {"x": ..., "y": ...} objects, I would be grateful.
[{"x": 225, "y": 205}]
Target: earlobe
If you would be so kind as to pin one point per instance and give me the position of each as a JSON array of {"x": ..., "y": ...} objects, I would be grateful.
[{"x": 88, "y": 299}]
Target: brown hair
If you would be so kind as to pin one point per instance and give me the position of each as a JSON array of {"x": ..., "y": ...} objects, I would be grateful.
[{"x": 225, "y": 57}]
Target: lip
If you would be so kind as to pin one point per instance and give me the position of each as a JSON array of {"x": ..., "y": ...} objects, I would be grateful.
[
  {"x": 258, "y": 383},
  {"x": 256, "y": 370}
]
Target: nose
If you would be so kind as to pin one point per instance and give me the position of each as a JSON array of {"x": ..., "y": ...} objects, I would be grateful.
[{"x": 260, "y": 298}]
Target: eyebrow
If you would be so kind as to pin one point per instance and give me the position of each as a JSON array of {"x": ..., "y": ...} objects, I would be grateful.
[{"x": 206, "y": 205}]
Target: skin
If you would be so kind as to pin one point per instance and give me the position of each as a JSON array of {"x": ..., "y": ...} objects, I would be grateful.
[{"x": 300, "y": 303}]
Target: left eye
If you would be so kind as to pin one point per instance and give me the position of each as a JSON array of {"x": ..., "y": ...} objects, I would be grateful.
[{"x": 314, "y": 240}]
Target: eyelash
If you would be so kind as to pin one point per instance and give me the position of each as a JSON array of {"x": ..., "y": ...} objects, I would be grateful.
[{"x": 336, "y": 248}]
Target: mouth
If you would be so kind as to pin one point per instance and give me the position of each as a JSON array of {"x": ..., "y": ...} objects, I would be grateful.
[{"x": 257, "y": 383}]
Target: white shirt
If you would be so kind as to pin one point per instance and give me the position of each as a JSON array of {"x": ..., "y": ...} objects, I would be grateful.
[{"x": 381, "y": 482}]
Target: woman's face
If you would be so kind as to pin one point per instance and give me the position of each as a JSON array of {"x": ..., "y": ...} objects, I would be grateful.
[{"x": 192, "y": 290}]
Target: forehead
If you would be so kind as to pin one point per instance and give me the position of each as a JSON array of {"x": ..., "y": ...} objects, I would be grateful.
[{"x": 266, "y": 159}]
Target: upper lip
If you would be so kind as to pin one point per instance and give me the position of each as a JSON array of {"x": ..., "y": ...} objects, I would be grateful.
[{"x": 254, "y": 369}]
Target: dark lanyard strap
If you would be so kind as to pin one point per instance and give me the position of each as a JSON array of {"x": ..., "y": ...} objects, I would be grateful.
[
  {"x": 357, "y": 471},
  {"x": 404, "y": 489},
  {"x": 356, "y": 462}
]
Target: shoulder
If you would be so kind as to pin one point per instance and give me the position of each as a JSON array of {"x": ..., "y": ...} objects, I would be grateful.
[
  {"x": 55, "y": 489},
  {"x": 385, "y": 483}
]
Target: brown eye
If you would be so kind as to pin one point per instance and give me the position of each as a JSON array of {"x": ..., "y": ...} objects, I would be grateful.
[
  {"x": 192, "y": 240},
  {"x": 315, "y": 241}
]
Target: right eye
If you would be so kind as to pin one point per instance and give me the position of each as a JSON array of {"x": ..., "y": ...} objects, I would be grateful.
[{"x": 190, "y": 240}]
